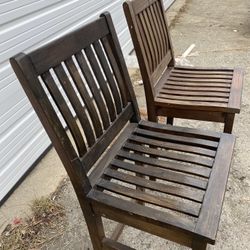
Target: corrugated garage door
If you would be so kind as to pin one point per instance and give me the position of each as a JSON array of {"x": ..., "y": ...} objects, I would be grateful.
[
  {"x": 25, "y": 25},
  {"x": 167, "y": 3}
]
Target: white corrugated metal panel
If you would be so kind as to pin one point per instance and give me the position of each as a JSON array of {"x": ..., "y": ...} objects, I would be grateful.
[
  {"x": 25, "y": 25},
  {"x": 167, "y": 3}
]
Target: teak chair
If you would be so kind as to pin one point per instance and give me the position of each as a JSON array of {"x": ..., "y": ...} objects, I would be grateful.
[
  {"x": 174, "y": 91},
  {"x": 80, "y": 88}
]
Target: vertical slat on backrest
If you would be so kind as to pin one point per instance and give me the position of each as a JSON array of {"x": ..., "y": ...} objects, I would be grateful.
[
  {"x": 92, "y": 85},
  {"x": 69, "y": 90},
  {"x": 65, "y": 111},
  {"x": 163, "y": 24},
  {"x": 109, "y": 75},
  {"x": 149, "y": 31},
  {"x": 85, "y": 97},
  {"x": 115, "y": 68},
  {"x": 126, "y": 85},
  {"x": 101, "y": 81}
]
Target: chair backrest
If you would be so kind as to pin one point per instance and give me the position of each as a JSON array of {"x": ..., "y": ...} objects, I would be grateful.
[
  {"x": 148, "y": 27},
  {"x": 80, "y": 89}
]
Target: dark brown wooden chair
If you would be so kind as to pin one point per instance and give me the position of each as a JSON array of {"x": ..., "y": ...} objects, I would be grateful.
[
  {"x": 174, "y": 91},
  {"x": 80, "y": 88}
]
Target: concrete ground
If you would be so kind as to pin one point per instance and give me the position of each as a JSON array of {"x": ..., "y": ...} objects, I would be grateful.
[
  {"x": 42, "y": 181},
  {"x": 220, "y": 31}
]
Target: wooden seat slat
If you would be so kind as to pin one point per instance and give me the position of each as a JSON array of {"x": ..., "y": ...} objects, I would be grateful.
[
  {"x": 164, "y": 202},
  {"x": 169, "y": 155},
  {"x": 179, "y": 139},
  {"x": 194, "y": 93},
  {"x": 173, "y": 146},
  {"x": 195, "y": 89},
  {"x": 195, "y": 105},
  {"x": 176, "y": 166},
  {"x": 193, "y": 98},
  {"x": 197, "y": 80},
  {"x": 162, "y": 174},
  {"x": 147, "y": 213},
  {"x": 204, "y": 72},
  {"x": 182, "y": 131},
  {"x": 226, "y": 86},
  {"x": 156, "y": 186},
  {"x": 198, "y": 76}
]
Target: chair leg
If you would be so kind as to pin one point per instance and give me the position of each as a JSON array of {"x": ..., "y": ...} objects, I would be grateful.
[
  {"x": 229, "y": 122},
  {"x": 170, "y": 120},
  {"x": 152, "y": 115},
  {"x": 95, "y": 227},
  {"x": 198, "y": 245}
]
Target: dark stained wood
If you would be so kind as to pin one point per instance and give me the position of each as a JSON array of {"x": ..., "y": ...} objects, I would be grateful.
[
  {"x": 196, "y": 170},
  {"x": 181, "y": 139},
  {"x": 69, "y": 44},
  {"x": 142, "y": 196},
  {"x": 207, "y": 94},
  {"x": 120, "y": 62},
  {"x": 162, "y": 174},
  {"x": 229, "y": 122},
  {"x": 117, "y": 73},
  {"x": 104, "y": 141},
  {"x": 208, "y": 221},
  {"x": 173, "y": 146},
  {"x": 61, "y": 74},
  {"x": 153, "y": 185},
  {"x": 101, "y": 81},
  {"x": 169, "y": 155},
  {"x": 93, "y": 87},
  {"x": 199, "y": 245},
  {"x": 75, "y": 102},
  {"x": 195, "y": 133},
  {"x": 166, "y": 180},
  {"x": 236, "y": 89},
  {"x": 147, "y": 213},
  {"x": 109, "y": 76},
  {"x": 65, "y": 111}
]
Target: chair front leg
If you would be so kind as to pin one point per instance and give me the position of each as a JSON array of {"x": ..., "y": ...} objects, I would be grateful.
[
  {"x": 95, "y": 227},
  {"x": 229, "y": 122}
]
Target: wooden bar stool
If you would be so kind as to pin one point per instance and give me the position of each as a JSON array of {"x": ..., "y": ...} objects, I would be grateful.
[
  {"x": 80, "y": 89},
  {"x": 209, "y": 94}
]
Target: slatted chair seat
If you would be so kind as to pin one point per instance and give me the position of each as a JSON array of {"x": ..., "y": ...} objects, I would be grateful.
[
  {"x": 200, "y": 89},
  {"x": 165, "y": 180},
  {"x": 179, "y": 92},
  {"x": 176, "y": 170}
]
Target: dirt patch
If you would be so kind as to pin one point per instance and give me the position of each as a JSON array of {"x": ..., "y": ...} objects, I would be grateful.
[{"x": 46, "y": 223}]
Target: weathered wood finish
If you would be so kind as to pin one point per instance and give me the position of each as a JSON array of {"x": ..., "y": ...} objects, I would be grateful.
[
  {"x": 165, "y": 180},
  {"x": 173, "y": 91}
]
